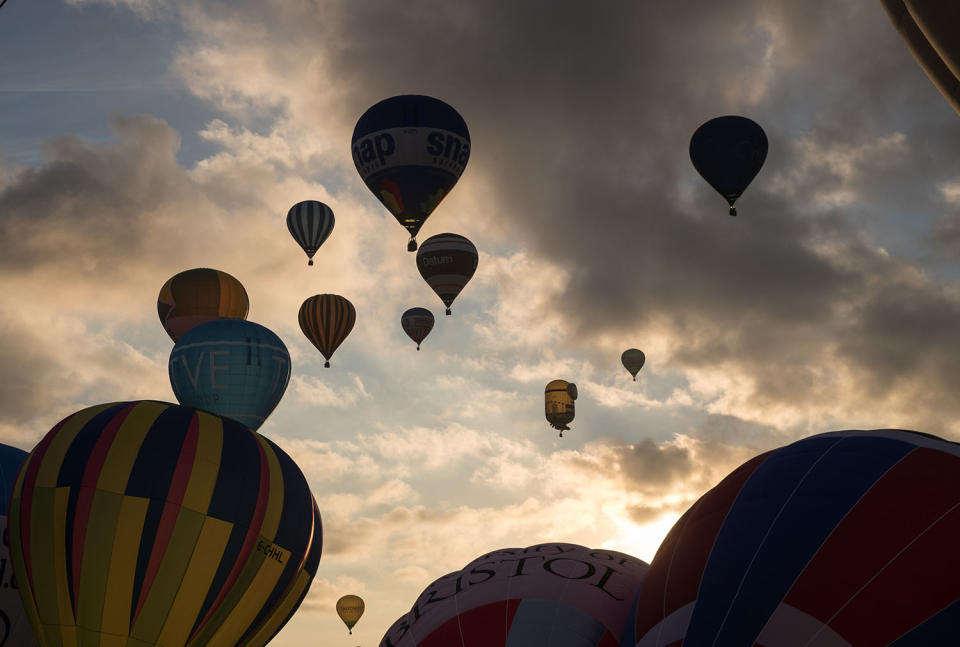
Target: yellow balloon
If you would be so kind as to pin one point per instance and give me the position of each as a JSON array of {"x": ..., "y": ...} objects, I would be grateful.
[
  {"x": 558, "y": 400},
  {"x": 350, "y": 608}
]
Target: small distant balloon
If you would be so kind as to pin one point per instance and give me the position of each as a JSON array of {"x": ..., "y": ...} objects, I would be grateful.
[
  {"x": 558, "y": 400},
  {"x": 233, "y": 368},
  {"x": 196, "y": 296},
  {"x": 310, "y": 223},
  {"x": 410, "y": 150},
  {"x": 729, "y": 152},
  {"x": 447, "y": 263},
  {"x": 417, "y": 323},
  {"x": 350, "y": 608},
  {"x": 632, "y": 360},
  {"x": 326, "y": 320}
]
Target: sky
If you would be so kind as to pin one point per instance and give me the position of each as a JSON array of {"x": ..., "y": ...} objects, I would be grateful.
[{"x": 140, "y": 138}]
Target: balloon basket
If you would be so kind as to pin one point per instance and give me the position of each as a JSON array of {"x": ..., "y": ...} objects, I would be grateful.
[
  {"x": 733, "y": 211},
  {"x": 310, "y": 262},
  {"x": 448, "y": 311},
  {"x": 412, "y": 245},
  {"x": 326, "y": 365}
]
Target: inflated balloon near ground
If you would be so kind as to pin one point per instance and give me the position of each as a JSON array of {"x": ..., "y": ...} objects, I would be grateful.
[
  {"x": 150, "y": 523},
  {"x": 844, "y": 539},
  {"x": 550, "y": 595}
]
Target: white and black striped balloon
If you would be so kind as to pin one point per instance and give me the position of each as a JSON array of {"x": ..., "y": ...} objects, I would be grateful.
[{"x": 310, "y": 223}]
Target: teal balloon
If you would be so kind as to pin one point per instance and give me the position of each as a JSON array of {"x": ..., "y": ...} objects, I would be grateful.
[{"x": 231, "y": 367}]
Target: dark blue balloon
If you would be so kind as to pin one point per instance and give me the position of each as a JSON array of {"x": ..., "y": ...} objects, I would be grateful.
[
  {"x": 231, "y": 367},
  {"x": 729, "y": 152},
  {"x": 11, "y": 460}
]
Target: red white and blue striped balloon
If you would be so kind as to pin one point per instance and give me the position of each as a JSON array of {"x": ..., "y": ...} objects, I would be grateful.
[
  {"x": 843, "y": 539},
  {"x": 548, "y": 595},
  {"x": 310, "y": 222},
  {"x": 447, "y": 263}
]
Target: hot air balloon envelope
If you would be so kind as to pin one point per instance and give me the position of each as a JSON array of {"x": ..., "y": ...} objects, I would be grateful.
[
  {"x": 310, "y": 222},
  {"x": 633, "y": 360},
  {"x": 558, "y": 400},
  {"x": 326, "y": 320},
  {"x": 197, "y": 296},
  {"x": 350, "y": 608},
  {"x": 417, "y": 323},
  {"x": 729, "y": 152},
  {"x": 550, "y": 595},
  {"x": 150, "y": 523},
  {"x": 447, "y": 262},
  {"x": 232, "y": 368},
  {"x": 843, "y": 538},
  {"x": 410, "y": 150},
  {"x": 14, "y": 624}
]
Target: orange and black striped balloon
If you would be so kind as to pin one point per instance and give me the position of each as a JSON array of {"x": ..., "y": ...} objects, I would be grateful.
[
  {"x": 326, "y": 320},
  {"x": 197, "y": 296},
  {"x": 148, "y": 523}
]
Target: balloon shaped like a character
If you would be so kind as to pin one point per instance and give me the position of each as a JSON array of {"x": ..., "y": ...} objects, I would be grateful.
[
  {"x": 417, "y": 323},
  {"x": 633, "y": 360},
  {"x": 410, "y": 150},
  {"x": 14, "y": 625},
  {"x": 350, "y": 608},
  {"x": 931, "y": 29},
  {"x": 844, "y": 538},
  {"x": 729, "y": 152},
  {"x": 310, "y": 223},
  {"x": 549, "y": 595},
  {"x": 326, "y": 320},
  {"x": 230, "y": 367},
  {"x": 447, "y": 263},
  {"x": 558, "y": 400},
  {"x": 197, "y": 296},
  {"x": 150, "y": 523}
]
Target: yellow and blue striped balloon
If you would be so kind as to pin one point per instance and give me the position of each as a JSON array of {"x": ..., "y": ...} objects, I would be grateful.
[
  {"x": 230, "y": 367},
  {"x": 149, "y": 523}
]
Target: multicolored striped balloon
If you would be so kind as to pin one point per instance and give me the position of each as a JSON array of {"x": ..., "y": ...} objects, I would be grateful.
[
  {"x": 310, "y": 222},
  {"x": 326, "y": 320},
  {"x": 447, "y": 263},
  {"x": 148, "y": 523},
  {"x": 410, "y": 150},
  {"x": 196, "y": 296},
  {"x": 230, "y": 367},
  {"x": 549, "y": 595},
  {"x": 417, "y": 323},
  {"x": 844, "y": 539}
]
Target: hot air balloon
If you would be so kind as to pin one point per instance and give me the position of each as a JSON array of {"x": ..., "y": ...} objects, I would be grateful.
[
  {"x": 150, "y": 523},
  {"x": 230, "y": 367},
  {"x": 632, "y": 360},
  {"x": 196, "y": 296},
  {"x": 310, "y": 222},
  {"x": 549, "y": 595},
  {"x": 558, "y": 399},
  {"x": 447, "y": 262},
  {"x": 410, "y": 150},
  {"x": 931, "y": 29},
  {"x": 843, "y": 538},
  {"x": 326, "y": 320},
  {"x": 14, "y": 625},
  {"x": 729, "y": 152},
  {"x": 350, "y": 608},
  {"x": 417, "y": 323}
]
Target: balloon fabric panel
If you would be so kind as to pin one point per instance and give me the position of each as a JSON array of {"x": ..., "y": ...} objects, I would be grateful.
[
  {"x": 107, "y": 493},
  {"x": 326, "y": 320}
]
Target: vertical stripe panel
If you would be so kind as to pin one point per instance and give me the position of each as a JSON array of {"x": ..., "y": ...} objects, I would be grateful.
[
  {"x": 203, "y": 479},
  {"x": 126, "y": 445},
  {"x": 223, "y": 610},
  {"x": 119, "y": 591},
  {"x": 104, "y": 515},
  {"x": 282, "y": 612},
  {"x": 263, "y": 584},
  {"x": 49, "y": 576}
]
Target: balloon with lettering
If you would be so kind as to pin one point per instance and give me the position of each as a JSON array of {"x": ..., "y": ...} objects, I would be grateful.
[
  {"x": 549, "y": 595},
  {"x": 196, "y": 296},
  {"x": 417, "y": 323},
  {"x": 232, "y": 368},
  {"x": 151, "y": 523},
  {"x": 410, "y": 150},
  {"x": 729, "y": 152},
  {"x": 930, "y": 28},
  {"x": 310, "y": 223},
  {"x": 558, "y": 399},
  {"x": 350, "y": 608},
  {"x": 326, "y": 320},
  {"x": 633, "y": 360},
  {"x": 447, "y": 263},
  {"x": 843, "y": 538},
  {"x": 14, "y": 625}
]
